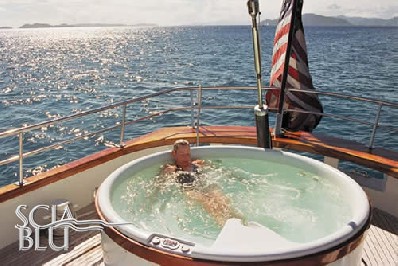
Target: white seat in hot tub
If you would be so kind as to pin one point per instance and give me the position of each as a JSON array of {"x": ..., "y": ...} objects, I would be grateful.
[
  {"x": 238, "y": 238},
  {"x": 245, "y": 243}
]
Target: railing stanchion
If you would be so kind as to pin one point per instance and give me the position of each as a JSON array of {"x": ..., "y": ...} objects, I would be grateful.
[
  {"x": 123, "y": 126},
  {"x": 198, "y": 114},
  {"x": 21, "y": 159},
  {"x": 375, "y": 126},
  {"x": 196, "y": 103},
  {"x": 192, "y": 110}
]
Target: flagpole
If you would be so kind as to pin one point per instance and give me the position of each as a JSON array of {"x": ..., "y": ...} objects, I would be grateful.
[
  {"x": 279, "y": 115},
  {"x": 260, "y": 110}
]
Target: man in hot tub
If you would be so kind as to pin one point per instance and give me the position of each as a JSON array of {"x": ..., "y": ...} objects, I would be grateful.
[
  {"x": 188, "y": 173},
  {"x": 181, "y": 154}
]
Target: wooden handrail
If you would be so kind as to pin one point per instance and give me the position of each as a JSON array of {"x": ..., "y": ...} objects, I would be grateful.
[{"x": 383, "y": 160}]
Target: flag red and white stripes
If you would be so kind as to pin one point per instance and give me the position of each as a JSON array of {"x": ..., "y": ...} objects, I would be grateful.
[{"x": 298, "y": 72}]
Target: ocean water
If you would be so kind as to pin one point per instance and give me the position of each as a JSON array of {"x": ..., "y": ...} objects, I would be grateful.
[{"x": 50, "y": 73}]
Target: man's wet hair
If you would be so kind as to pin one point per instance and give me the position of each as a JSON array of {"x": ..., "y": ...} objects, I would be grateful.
[{"x": 180, "y": 142}]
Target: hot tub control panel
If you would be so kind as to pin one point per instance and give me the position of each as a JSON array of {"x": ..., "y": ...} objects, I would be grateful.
[{"x": 171, "y": 244}]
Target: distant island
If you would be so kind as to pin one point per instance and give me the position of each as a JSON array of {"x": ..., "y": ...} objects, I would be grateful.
[
  {"x": 312, "y": 20},
  {"x": 64, "y": 25},
  {"x": 309, "y": 20}
]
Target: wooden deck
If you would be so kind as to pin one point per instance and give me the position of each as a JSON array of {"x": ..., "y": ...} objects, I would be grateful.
[
  {"x": 84, "y": 248},
  {"x": 381, "y": 245}
]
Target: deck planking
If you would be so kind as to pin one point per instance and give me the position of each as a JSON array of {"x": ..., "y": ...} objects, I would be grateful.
[
  {"x": 381, "y": 244},
  {"x": 10, "y": 255}
]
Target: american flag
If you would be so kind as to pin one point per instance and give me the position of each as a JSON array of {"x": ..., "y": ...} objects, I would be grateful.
[{"x": 298, "y": 72}]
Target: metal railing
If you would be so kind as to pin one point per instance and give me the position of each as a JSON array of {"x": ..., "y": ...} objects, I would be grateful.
[{"x": 195, "y": 124}]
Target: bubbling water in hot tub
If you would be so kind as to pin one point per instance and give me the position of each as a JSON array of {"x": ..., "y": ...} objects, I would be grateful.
[{"x": 293, "y": 201}]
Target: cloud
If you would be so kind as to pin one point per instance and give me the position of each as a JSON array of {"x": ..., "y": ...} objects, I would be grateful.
[
  {"x": 378, "y": 11},
  {"x": 172, "y": 12},
  {"x": 334, "y": 7}
]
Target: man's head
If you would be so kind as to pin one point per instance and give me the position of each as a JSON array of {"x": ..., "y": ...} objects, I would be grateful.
[{"x": 182, "y": 153}]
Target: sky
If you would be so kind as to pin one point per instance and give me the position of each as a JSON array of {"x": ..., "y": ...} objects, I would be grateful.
[{"x": 14, "y": 13}]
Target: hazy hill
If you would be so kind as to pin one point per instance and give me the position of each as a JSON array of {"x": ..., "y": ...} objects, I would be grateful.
[
  {"x": 36, "y": 25},
  {"x": 310, "y": 20},
  {"x": 323, "y": 21}
]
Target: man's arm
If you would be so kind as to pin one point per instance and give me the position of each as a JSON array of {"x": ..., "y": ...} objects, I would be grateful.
[
  {"x": 198, "y": 162},
  {"x": 168, "y": 169}
]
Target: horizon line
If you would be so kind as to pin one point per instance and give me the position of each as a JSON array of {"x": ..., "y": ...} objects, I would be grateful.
[{"x": 159, "y": 25}]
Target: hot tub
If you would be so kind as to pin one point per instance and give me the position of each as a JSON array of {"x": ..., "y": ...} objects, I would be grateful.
[{"x": 298, "y": 211}]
